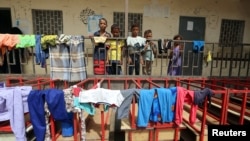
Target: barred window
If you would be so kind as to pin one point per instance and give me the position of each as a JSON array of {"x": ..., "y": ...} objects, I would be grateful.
[
  {"x": 231, "y": 33},
  {"x": 119, "y": 18},
  {"x": 47, "y": 21}
]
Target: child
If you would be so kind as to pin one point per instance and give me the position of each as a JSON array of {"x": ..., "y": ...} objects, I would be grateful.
[
  {"x": 174, "y": 67},
  {"x": 148, "y": 52},
  {"x": 135, "y": 44},
  {"x": 114, "y": 53},
  {"x": 100, "y": 50}
]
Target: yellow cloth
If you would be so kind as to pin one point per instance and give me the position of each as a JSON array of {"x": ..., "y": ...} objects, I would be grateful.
[
  {"x": 209, "y": 56},
  {"x": 100, "y": 39},
  {"x": 48, "y": 39},
  {"x": 115, "y": 49}
]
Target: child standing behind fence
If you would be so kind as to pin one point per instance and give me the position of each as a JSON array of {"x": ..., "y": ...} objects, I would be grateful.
[
  {"x": 148, "y": 53},
  {"x": 175, "y": 63},
  {"x": 135, "y": 44},
  {"x": 100, "y": 50},
  {"x": 114, "y": 52}
]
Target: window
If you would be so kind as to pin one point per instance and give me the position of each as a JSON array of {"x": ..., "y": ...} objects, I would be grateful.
[
  {"x": 231, "y": 33},
  {"x": 49, "y": 22},
  {"x": 119, "y": 18}
]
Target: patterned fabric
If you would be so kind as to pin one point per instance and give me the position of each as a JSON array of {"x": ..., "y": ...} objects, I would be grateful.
[
  {"x": 83, "y": 127},
  {"x": 67, "y": 60},
  {"x": 59, "y": 62},
  {"x": 77, "y": 60},
  {"x": 69, "y": 100},
  {"x": 68, "y": 97},
  {"x": 47, "y": 115}
]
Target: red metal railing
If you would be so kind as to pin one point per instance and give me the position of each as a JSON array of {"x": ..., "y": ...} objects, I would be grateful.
[{"x": 222, "y": 88}]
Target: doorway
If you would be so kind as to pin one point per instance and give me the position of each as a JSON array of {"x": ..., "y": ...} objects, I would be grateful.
[
  {"x": 191, "y": 29},
  {"x": 5, "y": 20},
  {"x": 5, "y": 27}
]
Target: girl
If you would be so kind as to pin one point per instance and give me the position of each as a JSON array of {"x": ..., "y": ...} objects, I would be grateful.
[{"x": 174, "y": 67}]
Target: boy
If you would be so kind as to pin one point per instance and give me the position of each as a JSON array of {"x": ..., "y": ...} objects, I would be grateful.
[
  {"x": 135, "y": 44},
  {"x": 114, "y": 53},
  {"x": 148, "y": 52},
  {"x": 100, "y": 50}
]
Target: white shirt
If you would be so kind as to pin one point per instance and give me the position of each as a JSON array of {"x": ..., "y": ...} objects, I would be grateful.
[
  {"x": 131, "y": 41},
  {"x": 101, "y": 95}
]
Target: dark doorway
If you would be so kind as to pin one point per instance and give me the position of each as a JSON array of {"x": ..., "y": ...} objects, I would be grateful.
[
  {"x": 5, "y": 27},
  {"x": 5, "y": 20},
  {"x": 14, "y": 64},
  {"x": 192, "y": 28}
]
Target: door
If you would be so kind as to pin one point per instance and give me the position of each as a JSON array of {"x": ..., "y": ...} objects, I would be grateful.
[{"x": 192, "y": 29}]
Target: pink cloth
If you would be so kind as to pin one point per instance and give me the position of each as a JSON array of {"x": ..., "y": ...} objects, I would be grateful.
[
  {"x": 185, "y": 96},
  {"x": 77, "y": 90}
]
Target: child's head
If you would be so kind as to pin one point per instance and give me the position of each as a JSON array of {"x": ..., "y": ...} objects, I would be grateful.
[
  {"x": 115, "y": 30},
  {"x": 177, "y": 37},
  {"x": 103, "y": 23},
  {"x": 148, "y": 34},
  {"x": 135, "y": 30}
]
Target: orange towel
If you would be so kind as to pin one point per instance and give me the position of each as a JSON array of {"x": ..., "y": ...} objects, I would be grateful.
[{"x": 9, "y": 41}]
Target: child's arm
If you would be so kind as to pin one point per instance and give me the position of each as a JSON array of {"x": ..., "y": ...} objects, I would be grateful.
[{"x": 154, "y": 48}]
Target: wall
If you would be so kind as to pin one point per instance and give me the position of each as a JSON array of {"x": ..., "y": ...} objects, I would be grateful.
[{"x": 213, "y": 10}]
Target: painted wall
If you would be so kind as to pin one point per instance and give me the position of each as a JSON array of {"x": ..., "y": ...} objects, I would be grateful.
[{"x": 163, "y": 27}]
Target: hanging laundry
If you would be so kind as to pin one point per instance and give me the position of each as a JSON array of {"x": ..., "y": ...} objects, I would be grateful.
[
  {"x": 198, "y": 46},
  {"x": 26, "y": 41},
  {"x": 41, "y": 55},
  {"x": 201, "y": 95},
  {"x": 101, "y": 95},
  {"x": 7, "y": 41},
  {"x": 128, "y": 94},
  {"x": 209, "y": 56},
  {"x": 59, "y": 62},
  {"x": 77, "y": 60},
  {"x": 48, "y": 40},
  {"x": 149, "y": 108},
  {"x": 100, "y": 39},
  {"x": 185, "y": 96},
  {"x": 13, "y": 105},
  {"x": 54, "y": 99},
  {"x": 67, "y": 61},
  {"x": 63, "y": 39}
]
